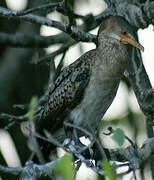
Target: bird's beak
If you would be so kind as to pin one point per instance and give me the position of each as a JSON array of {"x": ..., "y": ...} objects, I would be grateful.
[{"x": 126, "y": 38}]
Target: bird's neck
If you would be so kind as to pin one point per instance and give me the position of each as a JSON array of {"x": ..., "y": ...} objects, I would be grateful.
[{"x": 112, "y": 56}]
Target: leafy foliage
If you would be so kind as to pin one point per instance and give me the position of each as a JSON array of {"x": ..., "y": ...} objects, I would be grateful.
[
  {"x": 109, "y": 170},
  {"x": 33, "y": 105},
  {"x": 66, "y": 167},
  {"x": 118, "y": 136}
]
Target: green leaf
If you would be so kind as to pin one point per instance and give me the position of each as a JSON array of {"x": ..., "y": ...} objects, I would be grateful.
[
  {"x": 33, "y": 105},
  {"x": 119, "y": 136},
  {"x": 109, "y": 170},
  {"x": 66, "y": 167}
]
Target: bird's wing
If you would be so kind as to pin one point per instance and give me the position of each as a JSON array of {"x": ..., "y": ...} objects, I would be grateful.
[
  {"x": 68, "y": 88},
  {"x": 85, "y": 60}
]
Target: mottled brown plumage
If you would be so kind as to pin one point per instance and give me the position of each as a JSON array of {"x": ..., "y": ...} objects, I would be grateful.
[{"x": 85, "y": 89}]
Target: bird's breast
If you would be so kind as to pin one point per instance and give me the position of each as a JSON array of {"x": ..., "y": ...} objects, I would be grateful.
[{"x": 98, "y": 96}]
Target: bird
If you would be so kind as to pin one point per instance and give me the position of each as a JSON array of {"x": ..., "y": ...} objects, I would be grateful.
[{"x": 84, "y": 90}]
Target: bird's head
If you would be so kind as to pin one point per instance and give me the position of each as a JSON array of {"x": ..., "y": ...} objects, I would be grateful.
[{"x": 117, "y": 29}]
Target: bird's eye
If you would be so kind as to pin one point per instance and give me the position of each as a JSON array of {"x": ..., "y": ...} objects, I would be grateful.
[{"x": 124, "y": 33}]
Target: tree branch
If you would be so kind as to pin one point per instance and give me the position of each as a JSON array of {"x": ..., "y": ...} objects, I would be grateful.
[
  {"x": 135, "y": 157},
  {"x": 140, "y": 16},
  {"x": 141, "y": 85},
  {"x": 130, "y": 11},
  {"x": 26, "y": 40},
  {"x": 74, "y": 32}
]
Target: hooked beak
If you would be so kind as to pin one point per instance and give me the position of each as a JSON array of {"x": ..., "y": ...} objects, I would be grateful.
[{"x": 126, "y": 38}]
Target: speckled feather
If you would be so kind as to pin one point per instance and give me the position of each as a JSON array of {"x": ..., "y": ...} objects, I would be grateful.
[
  {"x": 85, "y": 89},
  {"x": 69, "y": 84},
  {"x": 68, "y": 89}
]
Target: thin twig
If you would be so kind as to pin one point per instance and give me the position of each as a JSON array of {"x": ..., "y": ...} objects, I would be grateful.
[{"x": 74, "y": 32}]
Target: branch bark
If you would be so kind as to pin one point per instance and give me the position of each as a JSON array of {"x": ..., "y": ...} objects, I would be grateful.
[
  {"x": 136, "y": 157},
  {"x": 27, "y": 40}
]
